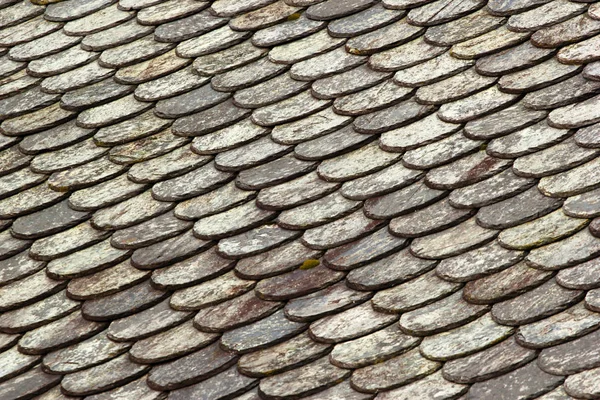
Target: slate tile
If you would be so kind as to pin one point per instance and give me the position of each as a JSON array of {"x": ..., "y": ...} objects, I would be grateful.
[
  {"x": 497, "y": 188},
  {"x": 85, "y": 175},
  {"x": 48, "y": 221},
  {"x": 504, "y": 7},
  {"x": 123, "y": 33},
  {"x": 591, "y": 300},
  {"x": 109, "y": 375},
  {"x": 547, "y": 229},
  {"x": 130, "y": 212},
  {"x": 571, "y": 323},
  {"x": 196, "y": 269},
  {"x": 69, "y": 157},
  {"x": 189, "y": 27},
  {"x": 234, "y": 313},
  {"x": 248, "y": 75},
  {"x": 146, "y": 148},
  {"x": 295, "y": 192},
  {"x": 386, "y": 94},
  {"x": 37, "y": 314},
  {"x": 68, "y": 330},
  {"x": 60, "y": 12},
  {"x": 569, "y": 31},
  {"x": 537, "y": 77},
  {"x": 221, "y": 199},
  {"x": 527, "y": 381},
  {"x": 581, "y": 276},
  {"x": 149, "y": 232},
  {"x": 302, "y": 381},
  {"x": 111, "y": 113},
  {"x": 130, "y": 53},
  {"x": 468, "y": 27},
  {"x": 580, "y": 52},
  {"x": 52, "y": 43},
  {"x": 281, "y": 357},
  {"x": 587, "y": 137},
  {"x": 353, "y": 165},
  {"x": 515, "y": 210},
  {"x": 393, "y": 373},
  {"x": 403, "y": 201},
  {"x": 70, "y": 69},
  {"x": 255, "y": 241},
  {"x": 350, "y": 324},
  {"x": 454, "y": 88},
  {"x": 545, "y": 15},
  {"x": 313, "y": 126},
  {"x": 9, "y": 245},
  {"x": 272, "y": 91},
  {"x": 26, "y": 31},
  {"x": 333, "y": 9},
  {"x": 488, "y": 43},
  {"x": 173, "y": 343},
  {"x": 172, "y": 164},
  {"x": 224, "y": 287},
  {"x": 66, "y": 242},
  {"x": 28, "y": 384},
  {"x": 102, "y": 19},
  {"x": 17, "y": 82},
  {"x": 169, "y": 11},
  {"x": 82, "y": 355},
  {"x": 219, "y": 116},
  {"x": 327, "y": 64},
  {"x": 13, "y": 159},
  {"x": 171, "y": 85},
  {"x": 363, "y": 22},
  {"x": 580, "y": 385},
  {"x": 261, "y": 334},
  {"x": 441, "y": 152},
  {"x": 229, "y": 8},
  {"x": 274, "y": 262},
  {"x": 584, "y": 205},
  {"x": 156, "y": 67},
  {"x": 15, "y": 362},
  {"x": 17, "y": 267},
  {"x": 302, "y": 49},
  {"x": 297, "y": 283},
  {"x": 286, "y": 31},
  {"x": 438, "y": 12},
  {"x": 392, "y": 117},
  {"x": 227, "y": 59},
  {"x": 36, "y": 121},
  {"x": 405, "y": 55},
  {"x": 278, "y": 171},
  {"x": 340, "y": 391},
  {"x": 464, "y": 171},
  {"x": 494, "y": 361},
  {"x": 146, "y": 323},
  {"x": 194, "y": 183},
  {"x": 136, "y": 389},
  {"x": 18, "y": 12},
  {"x": 556, "y": 394},
  {"x": 434, "y": 218},
  {"x": 94, "y": 95},
  {"x": 264, "y": 17},
  {"x": 10, "y": 67},
  {"x": 476, "y": 105},
  {"x": 107, "y": 281},
  {"x": 227, "y": 383},
  {"x": 431, "y": 71},
  {"x": 288, "y": 110},
  {"x": 383, "y": 38},
  {"x": 210, "y": 42},
  {"x": 104, "y": 194},
  {"x": 335, "y": 298},
  {"x": 30, "y": 200},
  {"x": 380, "y": 182},
  {"x": 354, "y": 80},
  {"x": 528, "y": 307},
  {"x": 143, "y": 125},
  {"x": 432, "y": 385},
  {"x": 505, "y": 284},
  {"x": 571, "y": 357},
  {"x": 575, "y": 115},
  {"x": 572, "y": 182},
  {"x": 122, "y": 304},
  {"x": 18, "y": 181},
  {"x": 232, "y": 222},
  {"x": 518, "y": 58}
]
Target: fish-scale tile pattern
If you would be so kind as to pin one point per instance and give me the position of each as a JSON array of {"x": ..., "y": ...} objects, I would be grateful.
[{"x": 299, "y": 199}]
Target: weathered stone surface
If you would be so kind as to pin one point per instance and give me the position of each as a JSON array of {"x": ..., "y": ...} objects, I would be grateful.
[
  {"x": 438, "y": 12},
  {"x": 334, "y": 9},
  {"x": 395, "y": 372},
  {"x": 345, "y": 83},
  {"x": 232, "y": 222},
  {"x": 459, "y": 30},
  {"x": 17, "y": 267},
  {"x": 88, "y": 353},
  {"x": 106, "y": 376},
  {"x": 264, "y": 17},
  {"x": 123, "y": 33},
  {"x": 146, "y": 148},
  {"x": 113, "y": 112},
  {"x": 421, "y": 132},
  {"x": 98, "y": 93},
  {"x": 186, "y": 28},
  {"x": 313, "y": 126},
  {"x": 489, "y": 363},
  {"x": 14, "y": 362},
  {"x": 105, "y": 194},
  {"x": 227, "y": 383},
  {"x": 572, "y": 182},
  {"x": 107, "y": 281},
  {"x": 581, "y": 276},
  {"x": 402, "y": 201},
  {"x": 391, "y": 117},
  {"x": 26, "y": 31},
  {"x": 130, "y": 53},
  {"x": 136, "y": 389},
  {"x": 431, "y": 219},
  {"x": 48, "y": 221},
  {"x": 297, "y": 283},
  {"x": 209, "y": 120},
  {"x": 422, "y": 290},
  {"x": 30, "y": 200},
  {"x": 527, "y": 381},
  {"x": 405, "y": 56},
  {"x": 216, "y": 40},
  {"x": 430, "y": 386},
  {"x": 255, "y": 241},
  {"x": 575, "y": 115},
  {"x": 573, "y": 250},
  {"x": 272, "y": 91},
  {"x": 488, "y": 43},
  {"x": 560, "y": 94},
  {"x": 164, "y": 226},
  {"x": 130, "y": 212},
  {"x": 251, "y": 154},
  {"x": 465, "y": 340},
  {"x": 66, "y": 242},
  {"x": 441, "y": 152},
  {"x": 375, "y": 98},
  {"x": 36, "y": 121},
  {"x": 168, "y": 11},
  {"x": 228, "y": 59},
  {"x": 172, "y": 164},
  {"x": 282, "y": 357},
  {"x": 104, "y": 18},
  {"x": 269, "y": 331},
  {"x": 286, "y": 31},
  {"x": 62, "y": 12},
  {"x": 571, "y": 357},
  {"x": 221, "y": 199},
  {"x": 29, "y": 384}
]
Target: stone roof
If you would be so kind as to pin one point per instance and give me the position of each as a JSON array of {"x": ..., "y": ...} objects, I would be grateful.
[{"x": 300, "y": 199}]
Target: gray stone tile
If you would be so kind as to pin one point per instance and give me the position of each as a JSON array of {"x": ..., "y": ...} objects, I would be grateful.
[
  {"x": 30, "y": 200},
  {"x": 48, "y": 221},
  {"x": 572, "y": 182},
  {"x": 105, "y": 194},
  {"x": 186, "y": 28},
  {"x": 354, "y": 80},
  {"x": 169, "y": 11},
  {"x": 383, "y": 38},
  {"x": 143, "y": 125},
  {"x": 278, "y": 171},
  {"x": 256, "y": 241},
  {"x": 581, "y": 276},
  {"x": 272, "y": 91},
  {"x": 26, "y": 31},
  {"x": 313, "y": 126},
  {"x": 333, "y": 9},
  {"x": 102, "y": 19},
  {"x": 488, "y": 43},
  {"x": 133, "y": 52},
  {"x": 168, "y": 251},
  {"x": 336, "y": 298},
  {"x": 130, "y": 212},
  {"x": 465, "y": 28},
  {"x": 441, "y": 11},
  {"x": 50, "y": 44},
  {"x": 431, "y": 71},
  {"x": 199, "y": 99},
  {"x": 264, "y": 17},
  {"x": 36, "y": 121},
  {"x": 325, "y": 65},
  {"x": 66, "y": 242},
  {"x": 286, "y": 32},
  {"x": 365, "y": 21},
  {"x": 381, "y": 96},
  {"x": 164, "y": 226},
  {"x": 508, "y": 7},
  {"x": 297, "y": 283},
  {"x": 111, "y": 113},
  {"x": 494, "y": 361},
  {"x": 173, "y": 84},
  {"x": 227, "y": 59},
  {"x": 137, "y": 389},
  {"x": 18, "y": 12},
  {"x": 572, "y": 357},
  {"x": 546, "y": 15},
  {"x": 584, "y": 205},
  {"x": 405, "y": 55},
  {"x": 587, "y": 137},
  {"x": 229, "y": 8},
  {"x": 581, "y": 52},
  {"x": 380, "y": 182},
  {"x": 476, "y": 105},
  {"x": 18, "y": 181},
  {"x": 85, "y": 175},
  {"x": 62, "y": 12},
  {"x": 248, "y": 75},
  {"x": 94, "y": 95},
  {"x": 221, "y": 199},
  {"x": 172, "y": 164},
  {"x": 403, "y": 201},
  {"x": 295, "y": 192},
  {"x": 569, "y": 31},
  {"x": 527, "y": 381},
  {"x": 232, "y": 222},
  {"x": 75, "y": 65},
  {"x": 537, "y": 77},
  {"x": 308, "y": 379},
  {"x": 505, "y": 284},
  {"x": 196, "y": 182},
  {"x": 17, "y": 267},
  {"x": 10, "y": 245},
  {"x": 514, "y": 59},
  {"x": 580, "y": 385},
  {"x": 69, "y": 157},
  {"x": 123, "y": 33},
  {"x": 210, "y": 42},
  {"x": 227, "y": 383},
  {"x": 440, "y": 152},
  {"x": 395, "y": 372},
  {"x": 29, "y": 384},
  {"x": 218, "y": 116},
  {"x": 288, "y": 110},
  {"x": 392, "y": 117},
  {"x": 432, "y": 385},
  {"x": 465, "y": 171},
  {"x": 28, "y": 290}
]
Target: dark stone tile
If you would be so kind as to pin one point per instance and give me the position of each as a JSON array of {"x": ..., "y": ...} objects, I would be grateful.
[
  {"x": 168, "y": 11},
  {"x": 107, "y": 281},
  {"x": 152, "y": 231},
  {"x": 297, "y": 283},
  {"x": 210, "y": 120},
  {"x": 17, "y": 267},
  {"x": 393, "y": 373},
  {"x": 572, "y": 357},
  {"x": 335, "y": 298},
  {"x": 248, "y": 75},
  {"x": 465, "y": 171},
  {"x": 441, "y": 152},
  {"x": 582, "y": 276},
  {"x": 288, "y": 110},
  {"x": 438, "y": 12},
  {"x": 569, "y": 91},
  {"x": 227, "y": 59},
  {"x": 365, "y": 21},
  {"x": 122, "y": 304},
  {"x": 289, "y": 355},
  {"x": 69, "y": 157},
  {"x": 104, "y": 18},
  {"x": 255, "y": 241},
  {"x": 505, "y": 284},
  {"x": 221, "y": 199},
  {"x": 251, "y": 154},
  {"x": 136, "y": 389},
  {"x": 97, "y": 171},
  {"x": 196, "y": 182},
  {"x": 10, "y": 246},
  {"x": 392, "y": 117},
  {"x": 190, "y": 271},
  {"x": 421, "y": 132},
  {"x": 272, "y": 91},
  {"x": 406, "y": 55},
  {"x": 133, "y": 52},
  {"x": 490, "y": 363},
  {"x": 232, "y": 222},
  {"x": 573, "y": 250},
  {"x": 186, "y": 28},
  {"x": 311, "y": 127},
  {"x": 46, "y": 222},
  {"x": 170, "y": 85},
  {"x": 587, "y": 137},
  {"x": 333, "y": 144},
  {"x": 168, "y": 251},
  {"x": 130, "y": 212},
  {"x": 278, "y": 171},
  {"x": 234, "y": 313},
  {"x": 227, "y": 8},
  {"x": 295, "y": 192},
  {"x": 527, "y": 381},
  {"x": 264, "y": 17},
  {"x": 94, "y": 95},
  {"x": 333, "y": 9},
  {"x": 146, "y": 148},
  {"x": 29, "y": 384},
  {"x": 15, "y": 362},
  {"x": 465, "y": 28},
  {"x": 26, "y": 102},
  {"x": 143, "y": 125},
  {"x": 348, "y": 82},
  {"x": 302, "y": 381},
  {"x": 148, "y": 70},
  {"x": 524, "y": 56},
  {"x": 380, "y": 182},
  {"x": 30, "y": 200},
  {"x": 226, "y": 384},
  {"x": 402, "y": 201},
  {"x": 172, "y": 164},
  {"x": 431, "y": 385},
  {"x": 342, "y": 391}
]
